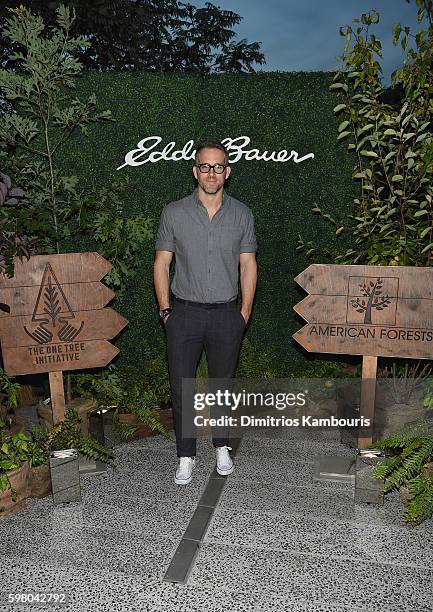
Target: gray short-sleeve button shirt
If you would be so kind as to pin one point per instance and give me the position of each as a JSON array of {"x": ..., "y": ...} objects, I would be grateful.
[{"x": 206, "y": 251}]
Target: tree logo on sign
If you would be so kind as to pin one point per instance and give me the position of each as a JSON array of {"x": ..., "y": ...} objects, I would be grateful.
[
  {"x": 52, "y": 309},
  {"x": 371, "y": 298}
]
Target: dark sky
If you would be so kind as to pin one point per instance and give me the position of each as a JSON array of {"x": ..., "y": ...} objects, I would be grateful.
[{"x": 304, "y": 34}]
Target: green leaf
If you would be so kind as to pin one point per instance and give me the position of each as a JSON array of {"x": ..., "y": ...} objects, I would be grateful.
[
  {"x": 365, "y": 128},
  {"x": 339, "y": 86},
  {"x": 396, "y": 31},
  {"x": 420, "y": 213},
  {"x": 390, "y": 132},
  {"x": 369, "y": 153},
  {"x": 392, "y": 211},
  {"x": 339, "y": 108},
  {"x": 425, "y": 232},
  {"x": 397, "y": 178},
  {"x": 343, "y": 135},
  {"x": 403, "y": 109},
  {"x": 343, "y": 125},
  {"x": 427, "y": 248}
]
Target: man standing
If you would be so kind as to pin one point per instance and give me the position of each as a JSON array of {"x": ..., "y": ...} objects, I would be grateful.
[{"x": 212, "y": 236}]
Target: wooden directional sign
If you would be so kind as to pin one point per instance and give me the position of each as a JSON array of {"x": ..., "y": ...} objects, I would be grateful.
[
  {"x": 69, "y": 267},
  {"x": 80, "y": 295},
  {"x": 95, "y": 325},
  {"x": 370, "y": 311},
  {"x": 56, "y": 319},
  {"x": 59, "y": 357},
  {"x": 367, "y": 310}
]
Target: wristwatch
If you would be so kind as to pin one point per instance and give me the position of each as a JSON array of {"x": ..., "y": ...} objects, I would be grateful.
[{"x": 164, "y": 312}]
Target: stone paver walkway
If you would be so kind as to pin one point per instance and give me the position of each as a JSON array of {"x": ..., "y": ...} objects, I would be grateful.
[{"x": 278, "y": 540}]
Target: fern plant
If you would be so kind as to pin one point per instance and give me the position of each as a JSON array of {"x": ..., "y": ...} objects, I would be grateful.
[
  {"x": 145, "y": 404},
  {"x": 66, "y": 434},
  {"x": 412, "y": 449},
  {"x": 140, "y": 389},
  {"x": 104, "y": 387}
]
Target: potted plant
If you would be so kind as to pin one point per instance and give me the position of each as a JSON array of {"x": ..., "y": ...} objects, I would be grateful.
[
  {"x": 138, "y": 415},
  {"x": 399, "y": 399},
  {"x": 14, "y": 469},
  {"x": 68, "y": 434},
  {"x": 146, "y": 402},
  {"x": 84, "y": 406},
  {"x": 8, "y": 395},
  {"x": 64, "y": 434},
  {"x": 399, "y": 396},
  {"x": 138, "y": 395},
  {"x": 39, "y": 476},
  {"x": 24, "y": 469}
]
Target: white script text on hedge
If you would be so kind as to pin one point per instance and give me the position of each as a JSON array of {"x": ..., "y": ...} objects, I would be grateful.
[{"x": 145, "y": 152}]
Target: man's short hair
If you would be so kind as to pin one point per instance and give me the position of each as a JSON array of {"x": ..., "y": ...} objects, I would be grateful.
[{"x": 212, "y": 144}]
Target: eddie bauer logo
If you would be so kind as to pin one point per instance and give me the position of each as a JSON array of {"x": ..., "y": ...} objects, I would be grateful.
[
  {"x": 145, "y": 152},
  {"x": 52, "y": 309}
]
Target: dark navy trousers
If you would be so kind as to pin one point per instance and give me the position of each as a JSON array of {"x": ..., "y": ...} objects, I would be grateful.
[{"x": 191, "y": 326}]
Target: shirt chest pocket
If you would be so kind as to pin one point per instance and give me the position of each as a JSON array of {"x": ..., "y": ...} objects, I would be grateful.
[{"x": 230, "y": 238}]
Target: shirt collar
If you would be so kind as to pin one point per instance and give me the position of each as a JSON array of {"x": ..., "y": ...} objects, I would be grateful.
[{"x": 198, "y": 202}]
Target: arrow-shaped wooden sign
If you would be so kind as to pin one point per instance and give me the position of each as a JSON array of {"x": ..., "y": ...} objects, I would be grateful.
[
  {"x": 85, "y": 325},
  {"x": 56, "y": 318},
  {"x": 411, "y": 312},
  {"x": 370, "y": 311},
  {"x": 332, "y": 279},
  {"x": 367, "y": 310},
  {"x": 58, "y": 357},
  {"x": 24, "y": 301},
  {"x": 69, "y": 267}
]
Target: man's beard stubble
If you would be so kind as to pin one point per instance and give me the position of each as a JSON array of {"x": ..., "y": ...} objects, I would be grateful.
[{"x": 210, "y": 188}]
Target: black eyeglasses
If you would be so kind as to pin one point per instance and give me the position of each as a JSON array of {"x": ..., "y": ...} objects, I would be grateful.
[{"x": 205, "y": 168}]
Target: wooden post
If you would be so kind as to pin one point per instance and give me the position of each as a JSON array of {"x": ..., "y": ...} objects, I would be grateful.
[
  {"x": 57, "y": 393},
  {"x": 368, "y": 394}
]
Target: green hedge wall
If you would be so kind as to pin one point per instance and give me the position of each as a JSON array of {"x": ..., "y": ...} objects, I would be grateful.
[{"x": 277, "y": 111}]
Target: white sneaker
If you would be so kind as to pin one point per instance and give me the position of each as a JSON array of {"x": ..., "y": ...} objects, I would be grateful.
[
  {"x": 184, "y": 471},
  {"x": 224, "y": 461}
]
